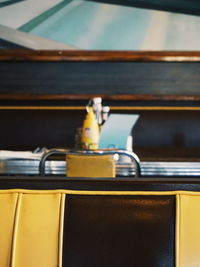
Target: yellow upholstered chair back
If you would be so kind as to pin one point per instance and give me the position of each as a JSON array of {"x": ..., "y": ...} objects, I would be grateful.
[
  {"x": 31, "y": 228},
  {"x": 32, "y": 223}
]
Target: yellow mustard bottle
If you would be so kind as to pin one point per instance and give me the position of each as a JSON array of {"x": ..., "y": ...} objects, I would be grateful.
[{"x": 90, "y": 131}]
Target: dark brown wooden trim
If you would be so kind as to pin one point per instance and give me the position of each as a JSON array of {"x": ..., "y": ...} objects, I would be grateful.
[
  {"x": 121, "y": 108},
  {"x": 105, "y": 97},
  {"x": 100, "y": 56}
]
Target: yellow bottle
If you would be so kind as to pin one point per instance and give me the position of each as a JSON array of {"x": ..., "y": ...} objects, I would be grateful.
[{"x": 90, "y": 131}]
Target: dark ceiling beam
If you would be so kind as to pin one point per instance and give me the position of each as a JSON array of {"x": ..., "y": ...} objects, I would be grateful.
[{"x": 178, "y": 6}]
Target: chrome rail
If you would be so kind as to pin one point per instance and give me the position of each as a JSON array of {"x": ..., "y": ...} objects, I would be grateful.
[
  {"x": 56, "y": 151},
  {"x": 162, "y": 169}
]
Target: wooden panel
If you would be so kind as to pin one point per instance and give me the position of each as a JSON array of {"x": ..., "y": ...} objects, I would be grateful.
[
  {"x": 80, "y": 55},
  {"x": 57, "y": 98},
  {"x": 102, "y": 184},
  {"x": 101, "y": 78},
  {"x": 114, "y": 75}
]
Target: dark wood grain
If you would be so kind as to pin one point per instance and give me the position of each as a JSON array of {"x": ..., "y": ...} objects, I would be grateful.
[
  {"x": 86, "y": 79},
  {"x": 104, "y": 96},
  {"x": 113, "y": 75},
  {"x": 99, "y": 56}
]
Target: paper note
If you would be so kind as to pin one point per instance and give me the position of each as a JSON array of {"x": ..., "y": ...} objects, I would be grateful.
[{"x": 115, "y": 131}]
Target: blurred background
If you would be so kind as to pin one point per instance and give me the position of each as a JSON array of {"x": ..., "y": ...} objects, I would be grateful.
[{"x": 79, "y": 24}]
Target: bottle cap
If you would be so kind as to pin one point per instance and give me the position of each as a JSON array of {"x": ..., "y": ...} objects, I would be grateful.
[{"x": 97, "y": 100}]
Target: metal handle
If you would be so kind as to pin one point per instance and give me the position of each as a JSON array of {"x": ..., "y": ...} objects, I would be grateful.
[{"x": 57, "y": 151}]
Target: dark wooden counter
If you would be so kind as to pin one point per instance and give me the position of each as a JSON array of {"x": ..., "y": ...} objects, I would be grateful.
[{"x": 109, "y": 184}]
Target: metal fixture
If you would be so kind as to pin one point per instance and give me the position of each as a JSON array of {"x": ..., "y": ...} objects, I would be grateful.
[{"x": 56, "y": 151}]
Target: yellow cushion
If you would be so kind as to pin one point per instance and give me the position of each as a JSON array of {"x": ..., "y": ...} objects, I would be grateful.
[
  {"x": 31, "y": 229},
  {"x": 7, "y": 214},
  {"x": 90, "y": 166},
  {"x": 31, "y": 226},
  {"x": 188, "y": 231}
]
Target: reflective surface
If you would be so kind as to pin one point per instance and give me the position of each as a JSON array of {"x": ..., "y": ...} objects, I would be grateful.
[{"x": 53, "y": 167}]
